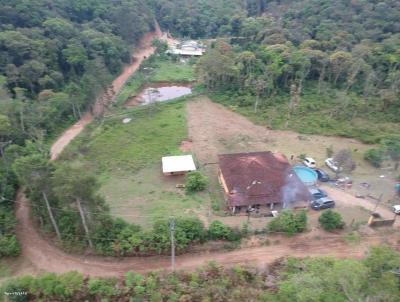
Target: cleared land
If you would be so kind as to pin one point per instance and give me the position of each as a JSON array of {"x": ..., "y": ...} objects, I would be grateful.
[{"x": 214, "y": 129}]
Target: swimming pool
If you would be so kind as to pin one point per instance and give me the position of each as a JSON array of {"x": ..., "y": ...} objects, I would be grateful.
[{"x": 307, "y": 176}]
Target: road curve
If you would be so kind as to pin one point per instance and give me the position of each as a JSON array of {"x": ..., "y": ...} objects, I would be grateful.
[{"x": 47, "y": 257}]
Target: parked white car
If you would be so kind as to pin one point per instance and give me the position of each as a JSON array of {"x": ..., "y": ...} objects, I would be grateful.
[
  {"x": 310, "y": 162},
  {"x": 396, "y": 209},
  {"x": 332, "y": 164}
]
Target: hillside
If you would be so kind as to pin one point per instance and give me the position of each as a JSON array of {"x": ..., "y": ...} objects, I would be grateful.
[{"x": 300, "y": 78}]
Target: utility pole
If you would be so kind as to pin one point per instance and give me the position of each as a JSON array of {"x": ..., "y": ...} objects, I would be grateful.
[{"x": 172, "y": 230}]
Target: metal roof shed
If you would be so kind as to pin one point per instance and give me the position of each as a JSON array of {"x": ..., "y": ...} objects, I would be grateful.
[{"x": 180, "y": 164}]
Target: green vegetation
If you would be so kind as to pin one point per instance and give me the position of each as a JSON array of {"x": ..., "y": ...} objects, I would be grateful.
[
  {"x": 330, "y": 220},
  {"x": 154, "y": 70},
  {"x": 374, "y": 157},
  {"x": 309, "y": 279},
  {"x": 170, "y": 71},
  {"x": 329, "y": 67},
  {"x": 55, "y": 60},
  {"x": 289, "y": 222},
  {"x": 309, "y": 67},
  {"x": 195, "y": 182},
  {"x": 218, "y": 231},
  {"x": 316, "y": 114},
  {"x": 352, "y": 238},
  {"x": 111, "y": 145}
]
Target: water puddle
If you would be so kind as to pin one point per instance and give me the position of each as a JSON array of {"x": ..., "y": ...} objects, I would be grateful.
[{"x": 159, "y": 93}]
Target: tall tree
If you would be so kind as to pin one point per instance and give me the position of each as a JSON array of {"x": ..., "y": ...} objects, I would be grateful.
[
  {"x": 75, "y": 186},
  {"x": 34, "y": 172}
]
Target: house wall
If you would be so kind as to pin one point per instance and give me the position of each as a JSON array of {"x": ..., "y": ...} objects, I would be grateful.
[{"x": 222, "y": 181}]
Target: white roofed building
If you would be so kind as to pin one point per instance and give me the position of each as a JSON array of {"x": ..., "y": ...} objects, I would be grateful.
[{"x": 175, "y": 165}]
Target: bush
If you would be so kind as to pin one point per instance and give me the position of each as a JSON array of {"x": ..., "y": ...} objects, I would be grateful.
[
  {"x": 219, "y": 231},
  {"x": 9, "y": 246},
  {"x": 289, "y": 222},
  {"x": 102, "y": 287},
  {"x": 195, "y": 182},
  {"x": 374, "y": 157},
  {"x": 330, "y": 220}
]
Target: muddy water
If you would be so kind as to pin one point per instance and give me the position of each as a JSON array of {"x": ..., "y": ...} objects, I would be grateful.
[{"x": 160, "y": 93}]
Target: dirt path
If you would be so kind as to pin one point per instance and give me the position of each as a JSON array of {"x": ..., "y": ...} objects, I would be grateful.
[
  {"x": 46, "y": 257},
  {"x": 144, "y": 51}
]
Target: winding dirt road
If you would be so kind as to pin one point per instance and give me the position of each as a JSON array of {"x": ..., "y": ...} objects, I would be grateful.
[
  {"x": 144, "y": 51},
  {"x": 44, "y": 256}
]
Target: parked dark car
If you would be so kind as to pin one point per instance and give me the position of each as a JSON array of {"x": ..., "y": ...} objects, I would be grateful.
[
  {"x": 322, "y": 175},
  {"x": 323, "y": 203},
  {"x": 317, "y": 193}
]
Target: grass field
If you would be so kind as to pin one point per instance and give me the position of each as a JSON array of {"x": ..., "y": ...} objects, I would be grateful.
[
  {"x": 148, "y": 195},
  {"x": 127, "y": 157},
  {"x": 113, "y": 145},
  {"x": 156, "y": 70}
]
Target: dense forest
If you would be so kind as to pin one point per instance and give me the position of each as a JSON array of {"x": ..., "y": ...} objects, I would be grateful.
[
  {"x": 331, "y": 67},
  {"x": 56, "y": 57},
  {"x": 320, "y": 279},
  {"x": 328, "y": 67}
]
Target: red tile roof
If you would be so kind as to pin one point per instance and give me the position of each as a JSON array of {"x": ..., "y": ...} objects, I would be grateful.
[{"x": 260, "y": 178}]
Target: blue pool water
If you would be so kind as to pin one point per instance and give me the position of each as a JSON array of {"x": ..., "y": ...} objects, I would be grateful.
[{"x": 307, "y": 176}]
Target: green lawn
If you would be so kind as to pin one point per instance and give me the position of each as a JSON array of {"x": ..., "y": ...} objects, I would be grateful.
[
  {"x": 148, "y": 195},
  {"x": 112, "y": 145},
  {"x": 157, "y": 70},
  {"x": 173, "y": 72},
  {"x": 127, "y": 158}
]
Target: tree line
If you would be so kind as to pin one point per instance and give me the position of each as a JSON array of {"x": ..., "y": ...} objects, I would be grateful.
[{"x": 342, "y": 55}]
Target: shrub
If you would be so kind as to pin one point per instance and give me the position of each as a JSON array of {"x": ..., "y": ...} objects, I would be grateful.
[
  {"x": 330, "y": 220},
  {"x": 195, "y": 182},
  {"x": 219, "y": 231},
  {"x": 102, "y": 287},
  {"x": 289, "y": 222},
  {"x": 374, "y": 157},
  {"x": 9, "y": 246}
]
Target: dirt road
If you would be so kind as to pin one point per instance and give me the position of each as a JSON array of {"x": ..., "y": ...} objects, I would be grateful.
[
  {"x": 143, "y": 51},
  {"x": 46, "y": 257}
]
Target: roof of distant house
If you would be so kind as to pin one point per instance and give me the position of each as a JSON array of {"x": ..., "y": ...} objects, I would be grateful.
[
  {"x": 185, "y": 52},
  {"x": 180, "y": 163},
  {"x": 260, "y": 178}
]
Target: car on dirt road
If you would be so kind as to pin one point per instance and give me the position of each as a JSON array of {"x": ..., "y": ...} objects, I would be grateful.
[
  {"x": 317, "y": 193},
  {"x": 322, "y": 175},
  {"x": 332, "y": 165},
  {"x": 396, "y": 209},
  {"x": 322, "y": 203},
  {"x": 310, "y": 162}
]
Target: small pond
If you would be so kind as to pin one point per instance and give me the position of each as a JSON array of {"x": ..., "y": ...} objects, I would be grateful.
[{"x": 159, "y": 93}]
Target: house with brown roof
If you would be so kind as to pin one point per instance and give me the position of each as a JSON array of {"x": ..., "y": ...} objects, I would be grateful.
[{"x": 260, "y": 179}]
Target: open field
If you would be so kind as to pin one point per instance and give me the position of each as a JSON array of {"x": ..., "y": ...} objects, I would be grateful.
[
  {"x": 148, "y": 195},
  {"x": 128, "y": 159}
]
